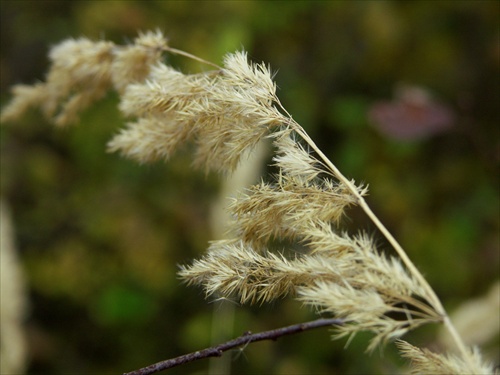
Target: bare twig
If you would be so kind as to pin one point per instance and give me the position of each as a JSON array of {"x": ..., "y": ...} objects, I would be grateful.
[{"x": 246, "y": 338}]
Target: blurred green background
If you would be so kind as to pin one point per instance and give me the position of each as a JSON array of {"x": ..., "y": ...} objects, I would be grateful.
[{"x": 100, "y": 237}]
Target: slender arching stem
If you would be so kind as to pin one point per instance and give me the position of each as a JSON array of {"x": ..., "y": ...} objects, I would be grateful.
[
  {"x": 432, "y": 298},
  {"x": 176, "y": 51},
  {"x": 431, "y": 295}
]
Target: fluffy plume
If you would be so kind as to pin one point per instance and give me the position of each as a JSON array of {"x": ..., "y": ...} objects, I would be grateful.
[
  {"x": 424, "y": 361},
  {"x": 81, "y": 72},
  {"x": 283, "y": 209},
  {"x": 225, "y": 113},
  {"x": 371, "y": 292},
  {"x": 133, "y": 63},
  {"x": 293, "y": 159}
]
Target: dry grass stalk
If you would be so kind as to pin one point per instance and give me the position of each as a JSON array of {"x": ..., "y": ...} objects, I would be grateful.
[{"x": 225, "y": 113}]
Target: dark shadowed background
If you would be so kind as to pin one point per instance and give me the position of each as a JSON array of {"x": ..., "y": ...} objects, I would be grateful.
[{"x": 400, "y": 95}]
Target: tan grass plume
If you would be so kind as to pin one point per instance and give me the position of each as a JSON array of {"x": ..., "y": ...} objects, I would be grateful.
[{"x": 224, "y": 113}]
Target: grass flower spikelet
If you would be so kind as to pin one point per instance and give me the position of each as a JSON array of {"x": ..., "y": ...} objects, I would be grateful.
[{"x": 225, "y": 113}]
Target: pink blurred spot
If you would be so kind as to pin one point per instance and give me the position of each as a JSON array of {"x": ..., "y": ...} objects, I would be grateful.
[{"x": 411, "y": 115}]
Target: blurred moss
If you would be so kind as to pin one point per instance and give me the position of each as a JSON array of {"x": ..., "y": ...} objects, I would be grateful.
[{"x": 101, "y": 236}]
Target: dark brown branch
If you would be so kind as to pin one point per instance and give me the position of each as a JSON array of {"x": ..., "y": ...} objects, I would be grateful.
[{"x": 246, "y": 338}]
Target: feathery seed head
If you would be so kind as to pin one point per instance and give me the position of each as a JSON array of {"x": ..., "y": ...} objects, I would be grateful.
[
  {"x": 423, "y": 361},
  {"x": 225, "y": 113}
]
